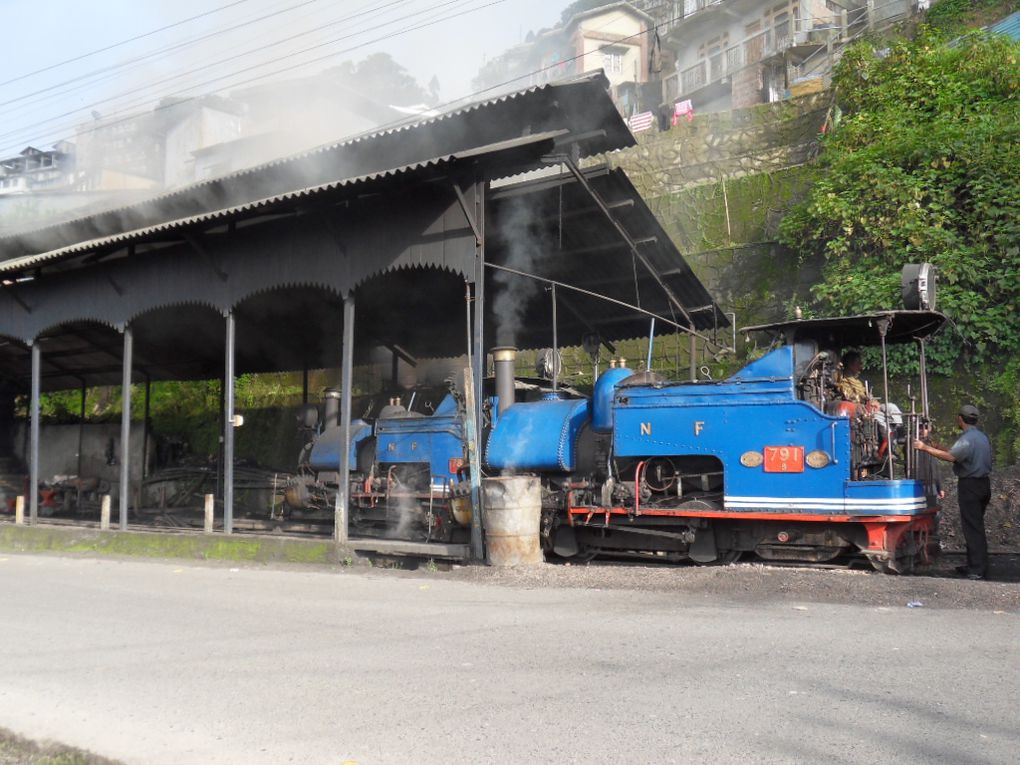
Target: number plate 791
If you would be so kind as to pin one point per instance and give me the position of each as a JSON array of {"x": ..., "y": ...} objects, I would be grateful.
[{"x": 784, "y": 459}]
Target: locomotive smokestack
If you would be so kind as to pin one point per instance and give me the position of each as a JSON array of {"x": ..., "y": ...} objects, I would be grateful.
[
  {"x": 503, "y": 359},
  {"x": 330, "y": 407}
]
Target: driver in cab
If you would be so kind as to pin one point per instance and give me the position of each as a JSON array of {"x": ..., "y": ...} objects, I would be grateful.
[{"x": 849, "y": 384}]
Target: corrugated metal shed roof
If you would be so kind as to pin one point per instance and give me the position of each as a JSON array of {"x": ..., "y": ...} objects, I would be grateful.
[
  {"x": 580, "y": 105},
  {"x": 1009, "y": 26},
  {"x": 26, "y": 262}
]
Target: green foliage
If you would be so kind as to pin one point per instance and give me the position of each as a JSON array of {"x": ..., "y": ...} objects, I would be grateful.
[
  {"x": 923, "y": 166},
  {"x": 952, "y": 16},
  {"x": 580, "y": 6}
]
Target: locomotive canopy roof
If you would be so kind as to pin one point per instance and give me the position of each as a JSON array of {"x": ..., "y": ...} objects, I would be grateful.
[
  {"x": 380, "y": 216},
  {"x": 863, "y": 330}
]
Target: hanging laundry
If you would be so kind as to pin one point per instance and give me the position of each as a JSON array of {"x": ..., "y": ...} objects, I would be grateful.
[{"x": 683, "y": 109}]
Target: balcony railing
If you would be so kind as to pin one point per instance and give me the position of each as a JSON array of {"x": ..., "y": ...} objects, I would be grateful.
[
  {"x": 751, "y": 50},
  {"x": 830, "y": 34}
]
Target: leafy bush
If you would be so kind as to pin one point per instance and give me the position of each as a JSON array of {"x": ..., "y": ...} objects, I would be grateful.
[{"x": 923, "y": 165}]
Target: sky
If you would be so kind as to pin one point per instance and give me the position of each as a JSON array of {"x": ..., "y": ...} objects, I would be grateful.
[{"x": 272, "y": 39}]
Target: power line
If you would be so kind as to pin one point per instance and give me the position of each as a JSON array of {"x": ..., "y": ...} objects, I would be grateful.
[
  {"x": 292, "y": 67},
  {"x": 111, "y": 71},
  {"x": 151, "y": 54},
  {"x": 24, "y": 128},
  {"x": 122, "y": 42}
]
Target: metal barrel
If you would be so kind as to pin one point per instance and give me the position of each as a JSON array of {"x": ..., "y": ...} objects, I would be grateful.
[{"x": 511, "y": 518}]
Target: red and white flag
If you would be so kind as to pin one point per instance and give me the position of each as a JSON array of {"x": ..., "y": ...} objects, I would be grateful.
[{"x": 642, "y": 121}]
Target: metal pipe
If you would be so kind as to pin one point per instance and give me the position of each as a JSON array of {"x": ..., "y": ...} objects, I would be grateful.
[
  {"x": 694, "y": 358},
  {"x": 923, "y": 369},
  {"x": 125, "y": 428},
  {"x": 556, "y": 344},
  {"x": 341, "y": 513},
  {"x": 614, "y": 301},
  {"x": 651, "y": 345},
  {"x": 882, "y": 328},
  {"x": 33, "y": 457},
  {"x": 304, "y": 384},
  {"x": 670, "y": 295},
  {"x": 503, "y": 359},
  {"x": 228, "y": 427}
]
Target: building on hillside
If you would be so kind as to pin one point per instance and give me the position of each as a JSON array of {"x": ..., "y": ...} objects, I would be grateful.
[
  {"x": 736, "y": 53},
  {"x": 152, "y": 150},
  {"x": 119, "y": 153},
  {"x": 34, "y": 170},
  {"x": 191, "y": 127},
  {"x": 293, "y": 115},
  {"x": 616, "y": 38}
]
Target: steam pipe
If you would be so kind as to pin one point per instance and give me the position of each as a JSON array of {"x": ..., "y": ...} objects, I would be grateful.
[
  {"x": 330, "y": 408},
  {"x": 503, "y": 359}
]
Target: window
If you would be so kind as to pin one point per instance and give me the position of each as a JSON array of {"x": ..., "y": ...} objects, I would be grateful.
[{"x": 612, "y": 60}]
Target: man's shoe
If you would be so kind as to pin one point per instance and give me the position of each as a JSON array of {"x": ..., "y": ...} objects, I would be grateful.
[{"x": 975, "y": 577}]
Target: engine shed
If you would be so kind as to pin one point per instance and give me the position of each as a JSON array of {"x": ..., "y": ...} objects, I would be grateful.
[{"x": 432, "y": 238}]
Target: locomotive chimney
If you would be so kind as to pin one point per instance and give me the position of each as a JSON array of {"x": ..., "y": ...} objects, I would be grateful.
[
  {"x": 330, "y": 407},
  {"x": 503, "y": 359}
]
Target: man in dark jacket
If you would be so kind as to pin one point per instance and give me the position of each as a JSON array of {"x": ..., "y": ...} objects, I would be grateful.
[{"x": 971, "y": 457}]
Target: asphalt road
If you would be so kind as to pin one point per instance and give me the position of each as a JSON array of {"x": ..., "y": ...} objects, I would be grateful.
[{"x": 170, "y": 663}]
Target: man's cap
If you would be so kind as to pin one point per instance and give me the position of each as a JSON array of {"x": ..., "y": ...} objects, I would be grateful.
[{"x": 969, "y": 410}]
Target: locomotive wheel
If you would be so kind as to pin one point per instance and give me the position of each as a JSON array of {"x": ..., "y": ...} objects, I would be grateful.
[{"x": 904, "y": 557}]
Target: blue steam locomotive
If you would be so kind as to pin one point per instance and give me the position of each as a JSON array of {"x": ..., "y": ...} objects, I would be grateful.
[{"x": 770, "y": 461}]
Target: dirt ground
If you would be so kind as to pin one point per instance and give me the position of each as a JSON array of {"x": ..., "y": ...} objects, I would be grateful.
[
  {"x": 1002, "y": 519},
  {"x": 934, "y": 587}
]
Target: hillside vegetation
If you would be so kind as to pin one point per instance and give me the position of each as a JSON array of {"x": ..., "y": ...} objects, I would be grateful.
[{"x": 922, "y": 164}]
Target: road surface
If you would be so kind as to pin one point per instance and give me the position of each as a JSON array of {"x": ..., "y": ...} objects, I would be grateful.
[{"x": 177, "y": 663}]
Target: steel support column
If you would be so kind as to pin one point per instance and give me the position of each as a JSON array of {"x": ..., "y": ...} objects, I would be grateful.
[
  {"x": 125, "y": 428},
  {"x": 81, "y": 426},
  {"x": 33, "y": 455},
  {"x": 145, "y": 426},
  {"x": 341, "y": 513},
  {"x": 228, "y": 429},
  {"x": 477, "y": 541}
]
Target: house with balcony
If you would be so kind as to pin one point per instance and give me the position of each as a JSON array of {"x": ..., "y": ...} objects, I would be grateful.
[
  {"x": 732, "y": 54},
  {"x": 615, "y": 37},
  {"x": 34, "y": 170}
]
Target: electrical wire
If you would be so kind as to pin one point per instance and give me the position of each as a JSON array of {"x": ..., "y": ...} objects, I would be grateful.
[
  {"x": 107, "y": 123},
  {"x": 144, "y": 89},
  {"x": 152, "y": 54},
  {"x": 122, "y": 43}
]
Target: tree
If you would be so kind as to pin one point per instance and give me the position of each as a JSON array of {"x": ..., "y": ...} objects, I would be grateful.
[
  {"x": 580, "y": 6},
  {"x": 923, "y": 166}
]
